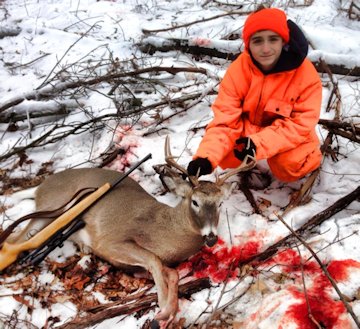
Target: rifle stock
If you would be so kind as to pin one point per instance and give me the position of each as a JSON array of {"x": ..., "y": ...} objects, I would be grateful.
[{"x": 10, "y": 251}]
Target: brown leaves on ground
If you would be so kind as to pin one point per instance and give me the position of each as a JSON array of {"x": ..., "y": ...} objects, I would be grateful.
[
  {"x": 79, "y": 283},
  {"x": 10, "y": 184}
]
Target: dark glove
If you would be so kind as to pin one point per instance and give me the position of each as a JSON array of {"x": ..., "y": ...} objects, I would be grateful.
[
  {"x": 202, "y": 164},
  {"x": 244, "y": 146}
]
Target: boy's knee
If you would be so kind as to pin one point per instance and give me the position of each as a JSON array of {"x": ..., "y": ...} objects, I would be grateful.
[{"x": 291, "y": 166}]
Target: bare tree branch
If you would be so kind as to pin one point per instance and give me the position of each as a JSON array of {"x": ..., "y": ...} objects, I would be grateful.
[
  {"x": 54, "y": 90},
  {"x": 235, "y": 12}
]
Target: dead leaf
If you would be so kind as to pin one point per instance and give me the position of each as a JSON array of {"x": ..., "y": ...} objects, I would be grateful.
[
  {"x": 260, "y": 286},
  {"x": 238, "y": 324}
]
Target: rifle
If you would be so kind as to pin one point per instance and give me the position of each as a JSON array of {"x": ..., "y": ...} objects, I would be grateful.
[{"x": 10, "y": 251}]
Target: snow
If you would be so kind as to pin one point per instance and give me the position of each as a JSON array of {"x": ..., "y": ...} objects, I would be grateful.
[{"x": 56, "y": 34}]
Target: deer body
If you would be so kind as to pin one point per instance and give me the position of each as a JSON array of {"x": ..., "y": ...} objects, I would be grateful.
[{"x": 126, "y": 213}]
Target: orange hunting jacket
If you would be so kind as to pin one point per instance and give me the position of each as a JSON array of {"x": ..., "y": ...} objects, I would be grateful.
[{"x": 278, "y": 111}]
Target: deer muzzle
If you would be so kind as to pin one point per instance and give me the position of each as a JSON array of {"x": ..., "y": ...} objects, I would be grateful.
[{"x": 210, "y": 239}]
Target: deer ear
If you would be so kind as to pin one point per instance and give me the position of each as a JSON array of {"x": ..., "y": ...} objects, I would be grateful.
[
  {"x": 227, "y": 188},
  {"x": 178, "y": 185}
]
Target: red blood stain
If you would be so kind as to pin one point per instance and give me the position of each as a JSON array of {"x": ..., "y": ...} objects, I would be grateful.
[
  {"x": 291, "y": 261},
  {"x": 126, "y": 141},
  {"x": 323, "y": 308},
  {"x": 219, "y": 263},
  {"x": 339, "y": 269}
]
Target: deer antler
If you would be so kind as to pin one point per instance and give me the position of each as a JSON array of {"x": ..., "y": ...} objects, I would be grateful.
[
  {"x": 169, "y": 158},
  {"x": 244, "y": 166}
]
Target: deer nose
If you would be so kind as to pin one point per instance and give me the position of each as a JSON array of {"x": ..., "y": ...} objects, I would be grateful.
[{"x": 210, "y": 239}]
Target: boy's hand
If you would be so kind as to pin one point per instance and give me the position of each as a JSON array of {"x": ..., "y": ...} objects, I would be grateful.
[
  {"x": 244, "y": 146},
  {"x": 199, "y": 166}
]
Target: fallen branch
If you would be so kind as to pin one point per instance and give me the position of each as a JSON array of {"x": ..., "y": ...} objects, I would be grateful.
[
  {"x": 303, "y": 194},
  {"x": 54, "y": 90},
  {"x": 225, "y": 49},
  {"x": 53, "y": 136},
  {"x": 59, "y": 109},
  {"x": 213, "y": 48},
  {"x": 143, "y": 304},
  {"x": 307, "y": 227},
  {"x": 35, "y": 143},
  {"x": 340, "y": 125},
  {"x": 9, "y": 32},
  {"x": 236, "y": 12},
  {"x": 343, "y": 129}
]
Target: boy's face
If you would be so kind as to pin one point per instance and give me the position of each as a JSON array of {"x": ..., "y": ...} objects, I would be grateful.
[{"x": 265, "y": 46}]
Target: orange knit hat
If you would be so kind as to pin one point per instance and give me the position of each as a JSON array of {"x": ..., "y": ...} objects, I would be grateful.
[{"x": 266, "y": 19}]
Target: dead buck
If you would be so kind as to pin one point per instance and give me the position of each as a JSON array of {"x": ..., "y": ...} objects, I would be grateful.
[{"x": 130, "y": 228}]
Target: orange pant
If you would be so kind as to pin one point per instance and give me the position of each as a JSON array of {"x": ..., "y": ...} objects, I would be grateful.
[{"x": 294, "y": 164}]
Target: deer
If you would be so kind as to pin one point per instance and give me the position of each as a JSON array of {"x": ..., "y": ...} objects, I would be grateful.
[{"x": 130, "y": 229}]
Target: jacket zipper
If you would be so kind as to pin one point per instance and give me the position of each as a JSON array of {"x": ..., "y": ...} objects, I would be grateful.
[{"x": 256, "y": 119}]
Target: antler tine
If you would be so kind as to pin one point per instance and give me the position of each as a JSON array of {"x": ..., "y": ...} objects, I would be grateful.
[
  {"x": 244, "y": 166},
  {"x": 169, "y": 158}
]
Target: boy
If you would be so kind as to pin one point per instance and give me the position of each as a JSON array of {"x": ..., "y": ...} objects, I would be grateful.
[{"x": 268, "y": 103}]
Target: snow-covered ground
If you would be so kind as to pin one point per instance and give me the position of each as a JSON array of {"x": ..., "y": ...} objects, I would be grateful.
[{"x": 75, "y": 37}]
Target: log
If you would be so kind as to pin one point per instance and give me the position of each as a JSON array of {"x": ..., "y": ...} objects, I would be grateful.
[
  {"x": 215, "y": 48},
  {"x": 9, "y": 32}
]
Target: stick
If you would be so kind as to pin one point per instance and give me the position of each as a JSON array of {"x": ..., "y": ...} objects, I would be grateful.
[{"x": 235, "y": 12}]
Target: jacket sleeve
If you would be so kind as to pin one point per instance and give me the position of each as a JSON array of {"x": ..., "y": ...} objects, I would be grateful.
[
  {"x": 227, "y": 124},
  {"x": 289, "y": 132}
]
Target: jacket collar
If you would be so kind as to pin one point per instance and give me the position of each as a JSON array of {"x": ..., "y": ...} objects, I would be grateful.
[{"x": 293, "y": 53}]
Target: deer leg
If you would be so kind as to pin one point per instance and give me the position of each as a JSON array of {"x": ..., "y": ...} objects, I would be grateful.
[
  {"x": 168, "y": 313},
  {"x": 31, "y": 228},
  {"x": 165, "y": 278}
]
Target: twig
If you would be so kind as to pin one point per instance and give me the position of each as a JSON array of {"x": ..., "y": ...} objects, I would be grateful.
[
  {"x": 31, "y": 62},
  {"x": 347, "y": 126},
  {"x": 324, "y": 269},
  {"x": 35, "y": 143},
  {"x": 348, "y": 135},
  {"x": 66, "y": 52},
  {"x": 305, "y": 291},
  {"x": 244, "y": 187},
  {"x": 235, "y": 12},
  {"x": 303, "y": 193}
]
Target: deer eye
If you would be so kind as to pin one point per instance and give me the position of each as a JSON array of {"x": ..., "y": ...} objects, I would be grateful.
[{"x": 195, "y": 203}]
